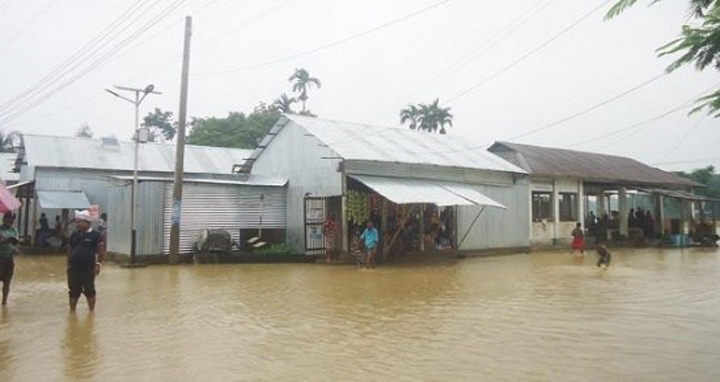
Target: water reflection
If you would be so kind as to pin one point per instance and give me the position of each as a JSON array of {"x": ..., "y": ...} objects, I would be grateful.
[
  {"x": 80, "y": 347},
  {"x": 6, "y": 353},
  {"x": 654, "y": 314}
]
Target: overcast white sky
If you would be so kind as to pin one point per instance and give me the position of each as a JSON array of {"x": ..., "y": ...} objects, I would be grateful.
[{"x": 504, "y": 67}]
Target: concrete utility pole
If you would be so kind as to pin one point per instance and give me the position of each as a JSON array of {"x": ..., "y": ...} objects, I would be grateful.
[
  {"x": 140, "y": 95},
  {"x": 174, "y": 257}
]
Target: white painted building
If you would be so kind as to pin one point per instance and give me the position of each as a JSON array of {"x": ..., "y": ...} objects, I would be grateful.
[{"x": 565, "y": 185}]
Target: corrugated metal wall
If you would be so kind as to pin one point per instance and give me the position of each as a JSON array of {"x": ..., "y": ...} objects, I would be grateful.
[
  {"x": 228, "y": 207},
  {"x": 498, "y": 228},
  {"x": 113, "y": 197},
  {"x": 311, "y": 168}
]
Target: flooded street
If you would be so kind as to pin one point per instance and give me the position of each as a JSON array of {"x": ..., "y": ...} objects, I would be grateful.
[{"x": 653, "y": 315}]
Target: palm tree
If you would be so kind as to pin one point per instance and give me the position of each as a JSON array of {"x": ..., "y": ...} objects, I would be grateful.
[
  {"x": 284, "y": 104},
  {"x": 9, "y": 142},
  {"x": 301, "y": 83},
  {"x": 84, "y": 131},
  {"x": 435, "y": 118},
  {"x": 411, "y": 114},
  {"x": 427, "y": 117}
]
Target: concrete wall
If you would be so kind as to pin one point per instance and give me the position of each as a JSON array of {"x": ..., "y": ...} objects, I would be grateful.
[
  {"x": 553, "y": 231},
  {"x": 298, "y": 156}
]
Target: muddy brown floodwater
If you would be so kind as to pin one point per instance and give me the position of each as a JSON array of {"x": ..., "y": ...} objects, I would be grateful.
[{"x": 653, "y": 315}]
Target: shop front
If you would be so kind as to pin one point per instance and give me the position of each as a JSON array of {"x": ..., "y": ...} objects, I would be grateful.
[{"x": 411, "y": 215}]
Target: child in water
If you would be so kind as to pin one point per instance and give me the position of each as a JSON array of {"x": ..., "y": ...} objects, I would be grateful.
[
  {"x": 604, "y": 259},
  {"x": 578, "y": 243}
]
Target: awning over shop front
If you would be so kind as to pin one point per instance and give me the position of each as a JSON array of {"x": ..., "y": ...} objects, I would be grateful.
[
  {"x": 63, "y": 199},
  {"x": 416, "y": 191}
]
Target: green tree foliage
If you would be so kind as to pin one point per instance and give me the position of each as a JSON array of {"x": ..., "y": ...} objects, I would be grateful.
[
  {"x": 84, "y": 131},
  {"x": 160, "y": 123},
  {"x": 301, "y": 82},
  {"x": 706, "y": 176},
  {"x": 410, "y": 114},
  {"x": 9, "y": 142},
  {"x": 699, "y": 44},
  {"x": 427, "y": 117},
  {"x": 284, "y": 104},
  {"x": 236, "y": 130}
]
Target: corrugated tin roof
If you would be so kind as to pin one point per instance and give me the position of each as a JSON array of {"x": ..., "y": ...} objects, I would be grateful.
[
  {"x": 413, "y": 191},
  {"x": 72, "y": 152},
  {"x": 553, "y": 162},
  {"x": 353, "y": 141},
  {"x": 680, "y": 195}
]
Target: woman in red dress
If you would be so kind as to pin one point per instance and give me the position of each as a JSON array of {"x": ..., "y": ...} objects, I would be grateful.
[{"x": 578, "y": 243}]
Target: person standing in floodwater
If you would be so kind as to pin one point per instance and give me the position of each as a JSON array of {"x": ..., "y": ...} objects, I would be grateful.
[
  {"x": 8, "y": 240},
  {"x": 103, "y": 229},
  {"x": 84, "y": 260},
  {"x": 330, "y": 229},
  {"x": 371, "y": 237},
  {"x": 578, "y": 243},
  {"x": 604, "y": 259}
]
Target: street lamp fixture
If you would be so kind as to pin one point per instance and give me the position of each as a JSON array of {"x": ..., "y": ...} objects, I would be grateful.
[{"x": 140, "y": 95}]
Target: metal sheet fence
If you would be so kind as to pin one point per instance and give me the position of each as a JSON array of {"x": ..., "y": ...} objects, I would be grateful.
[{"x": 229, "y": 208}]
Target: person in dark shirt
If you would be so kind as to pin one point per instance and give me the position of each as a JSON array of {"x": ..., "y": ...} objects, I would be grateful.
[
  {"x": 84, "y": 259},
  {"x": 8, "y": 248},
  {"x": 604, "y": 256},
  {"x": 44, "y": 225}
]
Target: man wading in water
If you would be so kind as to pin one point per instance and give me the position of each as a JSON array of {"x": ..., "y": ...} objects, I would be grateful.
[
  {"x": 371, "y": 241},
  {"x": 84, "y": 259},
  {"x": 604, "y": 256},
  {"x": 8, "y": 240}
]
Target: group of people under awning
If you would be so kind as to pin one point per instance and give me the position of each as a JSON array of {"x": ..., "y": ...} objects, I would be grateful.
[
  {"x": 59, "y": 234},
  {"x": 638, "y": 220}
]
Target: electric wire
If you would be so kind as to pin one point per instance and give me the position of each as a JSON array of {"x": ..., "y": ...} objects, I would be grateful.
[
  {"x": 334, "y": 43},
  {"x": 96, "y": 63},
  {"x": 506, "y": 68},
  {"x": 684, "y": 138},
  {"x": 686, "y": 104},
  {"x": 79, "y": 54},
  {"x": 687, "y": 161},
  {"x": 28, "y": 24},
  {"x": 483, "y": 47},
  {"x": 528, "y": 54},
  {"x": 164, "y": 64},
  {"x": 589, "y": 109}
]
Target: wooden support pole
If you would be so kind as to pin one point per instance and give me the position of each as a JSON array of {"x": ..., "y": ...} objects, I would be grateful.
[
  {"x": 470, "y": 227},
  {"x": 34, "y": 219},
  {"x": 26, "y": 208},
  {"x": 383, "y": 227},
  {"x": 422, "y": 228},
  {"x": 400, "y": 227}
]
